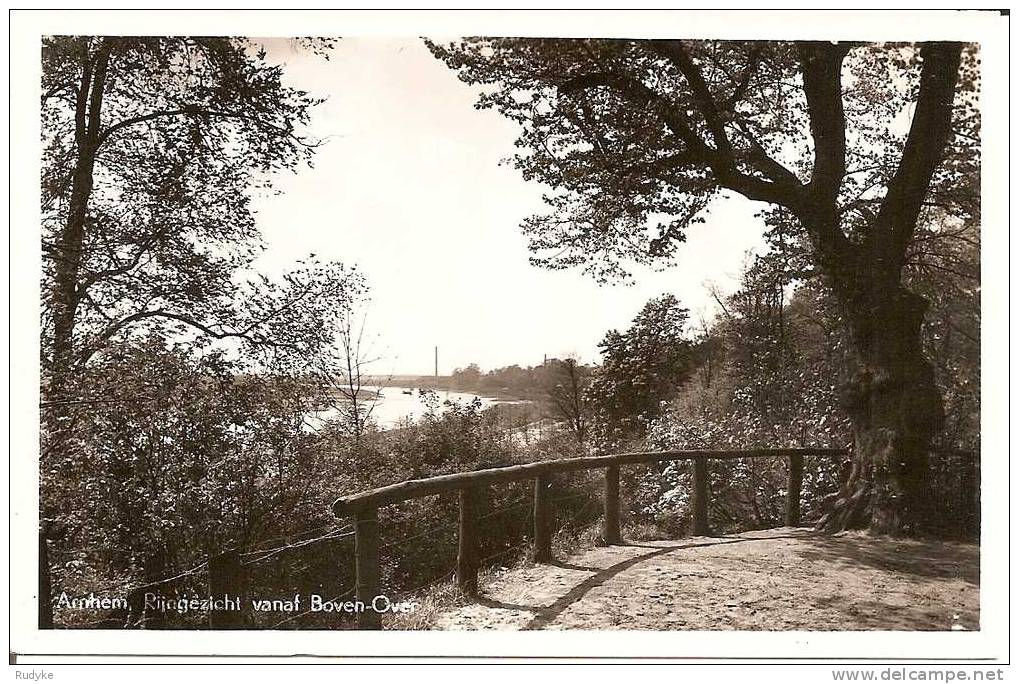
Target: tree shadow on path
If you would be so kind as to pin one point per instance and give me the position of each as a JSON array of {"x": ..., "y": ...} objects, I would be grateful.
[
  {"x": 928, "y": 559},
  {"x": 544, "y": 615}
]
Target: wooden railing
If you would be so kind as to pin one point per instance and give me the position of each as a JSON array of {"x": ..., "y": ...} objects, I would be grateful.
[{"x": 363, "y": 507}]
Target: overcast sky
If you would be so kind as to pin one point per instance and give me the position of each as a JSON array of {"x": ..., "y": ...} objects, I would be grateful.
[{"x": 409, "y": 188}]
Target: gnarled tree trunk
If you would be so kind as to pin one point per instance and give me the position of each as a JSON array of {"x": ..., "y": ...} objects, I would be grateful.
[
  {"x": 896, "y": 411},
  {"x": 888, "y": 385}
]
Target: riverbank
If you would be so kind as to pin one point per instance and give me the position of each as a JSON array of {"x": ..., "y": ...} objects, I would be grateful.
[
  {"x": 445, "y": 383},
  {"x": 391, "y": 405}
]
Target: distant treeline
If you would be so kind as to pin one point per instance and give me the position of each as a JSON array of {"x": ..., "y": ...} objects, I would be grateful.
[{"x": 525, "y": 382}]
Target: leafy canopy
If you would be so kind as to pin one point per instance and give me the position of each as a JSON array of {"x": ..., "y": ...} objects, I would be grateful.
[
  {"x": 636, "y": 138},
  {"x": 166, "y": 140}
]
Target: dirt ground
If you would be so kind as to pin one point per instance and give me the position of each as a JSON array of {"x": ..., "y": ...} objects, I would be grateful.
[{"x": 782, "y": 579}]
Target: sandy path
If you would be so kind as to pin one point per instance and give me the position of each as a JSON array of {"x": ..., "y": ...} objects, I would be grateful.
[{"x": 783, "y": 579}]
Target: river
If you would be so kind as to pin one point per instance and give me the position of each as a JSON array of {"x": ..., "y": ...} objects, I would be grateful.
[{"x": 398, "y": 405}]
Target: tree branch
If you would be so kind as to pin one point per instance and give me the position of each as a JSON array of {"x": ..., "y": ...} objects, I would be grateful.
[
  {"x": 740, "y": 88},
  {"x": 64, "y": 85},
  {"x": 96, "y": 98},
  {"x": 123, "y": 268},
  {"x": 822, "y": 84},
  {"x": 928, "y": 134},
  {"x": 637, "y": 91},
  {"x": 195, "y": 111},
  {"x": 674, "y": 51},
  {"x": 112, "y": 329},
  {"x": 723, "y": 167}
]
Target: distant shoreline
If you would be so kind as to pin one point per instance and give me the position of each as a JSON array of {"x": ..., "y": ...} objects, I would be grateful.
[{"x": 446, "y": 383}]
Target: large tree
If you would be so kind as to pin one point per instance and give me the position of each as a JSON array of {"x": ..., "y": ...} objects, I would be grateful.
[
  {"x": 153, "y": 150},
  {"x": 852, "y": 143}
]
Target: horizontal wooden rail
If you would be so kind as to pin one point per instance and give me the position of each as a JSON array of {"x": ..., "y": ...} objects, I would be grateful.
[
  {"x": 364, "y": 506},
  {"x": 440, "y": 484}
]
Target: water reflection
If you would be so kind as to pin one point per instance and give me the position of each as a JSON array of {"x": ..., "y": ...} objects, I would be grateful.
[{"x": 395, "y": 406}]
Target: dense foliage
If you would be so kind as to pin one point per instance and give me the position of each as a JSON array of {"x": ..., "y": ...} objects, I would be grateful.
[
  {"x": 174, "y": 375},
  {"x": 638, "y": 139},
  {"x": 642, "y": 368},
  {"x": 769, "y": 375},
  {"x": 193, "y": 407}
]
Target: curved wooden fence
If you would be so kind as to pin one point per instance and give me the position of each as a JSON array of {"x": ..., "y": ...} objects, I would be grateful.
[{"x": 363, "y": 506}]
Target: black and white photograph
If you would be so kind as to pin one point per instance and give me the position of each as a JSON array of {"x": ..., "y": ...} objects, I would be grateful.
[{"x": 359, "y": 326}]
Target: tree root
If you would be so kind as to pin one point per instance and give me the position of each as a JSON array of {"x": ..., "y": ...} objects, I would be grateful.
[{"x": 851, "y": 510}]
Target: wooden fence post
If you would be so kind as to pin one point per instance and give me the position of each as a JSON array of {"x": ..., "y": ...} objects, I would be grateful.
[
  {"x": 542, "y": 520},
  {"x": 977, "y": 511},
  {"x": 366, "y": 550},
  {"x": 135, "y": 614},
  {"x": 45, "y": 590},
  {"x": 795, "y": 485},
  {"x": 700, "y": 496},
  {"x": 610, "y": 521},
  {"x": 467, "y": 550},
  {"x": 225, "y": 581}
]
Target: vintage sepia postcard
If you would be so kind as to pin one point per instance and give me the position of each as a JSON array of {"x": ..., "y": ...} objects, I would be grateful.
[{"x": 519, "y": 334}]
